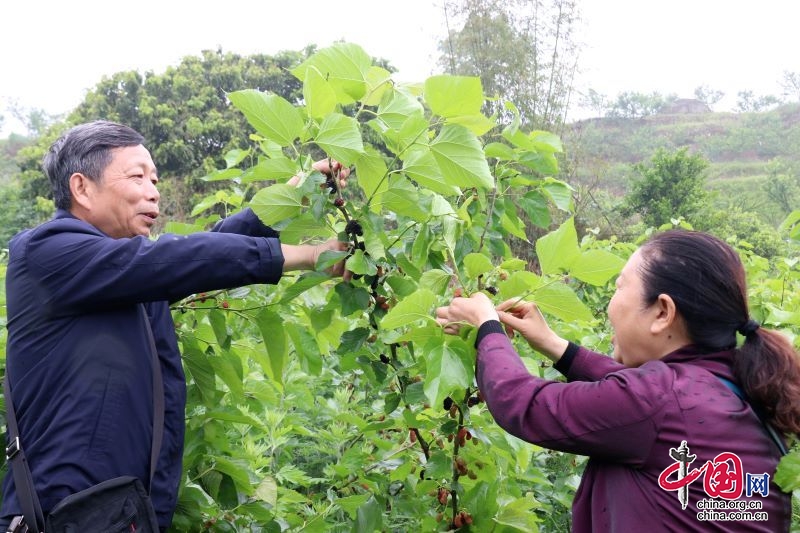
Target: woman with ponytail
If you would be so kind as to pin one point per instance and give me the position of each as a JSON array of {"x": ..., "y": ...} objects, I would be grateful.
[{"x": 685, "y": 426}]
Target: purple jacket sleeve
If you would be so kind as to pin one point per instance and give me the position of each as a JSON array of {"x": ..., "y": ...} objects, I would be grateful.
[
  {"x": 591, "y": 366},
  {"x": 612, "y": 416}
]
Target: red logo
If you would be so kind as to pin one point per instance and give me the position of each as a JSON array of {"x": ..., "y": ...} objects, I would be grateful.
[{"x": 723, "y": 476}]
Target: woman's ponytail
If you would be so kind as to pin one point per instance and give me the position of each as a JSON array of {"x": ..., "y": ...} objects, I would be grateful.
[{"x": 768, "y": 369}]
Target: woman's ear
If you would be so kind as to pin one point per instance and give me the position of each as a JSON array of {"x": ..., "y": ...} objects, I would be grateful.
[{"x": 666, "y": 314}]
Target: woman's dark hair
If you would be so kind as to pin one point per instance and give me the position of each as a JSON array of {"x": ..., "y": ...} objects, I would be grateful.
[
  {"x": 706, "y": 280},
  {"x": 85, "y": 149}
]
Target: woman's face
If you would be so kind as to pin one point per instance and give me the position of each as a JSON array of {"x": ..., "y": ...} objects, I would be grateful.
[{"x": 630, "y": 317}]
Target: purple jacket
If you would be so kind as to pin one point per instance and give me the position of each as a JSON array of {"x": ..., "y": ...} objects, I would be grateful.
[{"x": 627, "y": 420}]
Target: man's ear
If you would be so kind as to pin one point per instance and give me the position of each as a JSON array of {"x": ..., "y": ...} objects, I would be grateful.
[
  {"x": 666, "y": 314},
  {"x": 81, "y": 189}
]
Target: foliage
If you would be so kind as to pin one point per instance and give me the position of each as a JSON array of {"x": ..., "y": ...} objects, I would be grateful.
[
  {"x": 782, "y": 186},
  {"x": 319, "y": 403},
  {"x": 671, "y": 185},
  {"x": 636, "y": 105},
  {"x": 744, "y": 226},
  {"x": 774, "y": 288},
  {"x": 524, "y": 51},
  {"x": 742, "y": 150},
  {"x": 748, "y": 102},
  {"x": 790, "y": 84},
  {"x": 324, "y": 405},
  {"x": 724, "y": 138},
  {"x": 626, "y": 105},
  {"x": 12, "y": 220},
  {"x": 34, "y": 120},
  {"x": 9, "y": 148},
  {"x": 327, "y": 405},
  {"x": 597, "y": 102},
  {"x": 183, "y": 113},
  {"x": 707, "y": 95}
]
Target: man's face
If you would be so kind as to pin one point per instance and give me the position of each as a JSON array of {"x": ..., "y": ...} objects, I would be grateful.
[{"x": 124, "y": 202}]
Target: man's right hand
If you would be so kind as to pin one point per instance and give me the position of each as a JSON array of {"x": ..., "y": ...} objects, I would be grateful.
[
  {"x": 305, "y": 257},
  {"x": 336, "y": 246}
]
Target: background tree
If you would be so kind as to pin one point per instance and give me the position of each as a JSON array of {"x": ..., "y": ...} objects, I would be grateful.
[
  {"x": 707, "y": 95},
  {"x": 184, "y": 115},
  {"x": 671, "y": 185},
  {"x": 748, "y": 102},
  {"x": 34, "y": 120},
  {"x": 782, "y": 186},
  {"x": 790, "y": 84},
  {"x": 631, "y": 104},
  {"x": 741, "y": 225},
  {"x": 596, "y": 102},
  {"x": 524, "y": 51},
  {"x": 17, "y": 212},
  {"x": 9, "y": 148}
]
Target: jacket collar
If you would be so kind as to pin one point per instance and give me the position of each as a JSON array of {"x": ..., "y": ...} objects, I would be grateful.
[
  {"x": 63, "y": 213},
  {"x": 718, "y": 363}
]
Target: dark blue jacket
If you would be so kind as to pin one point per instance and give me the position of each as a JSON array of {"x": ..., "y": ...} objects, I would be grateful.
[{"x": 78, "y": 355}]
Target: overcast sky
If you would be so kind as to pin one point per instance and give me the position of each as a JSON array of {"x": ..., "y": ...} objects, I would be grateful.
[{"x": 53, "y": 52}]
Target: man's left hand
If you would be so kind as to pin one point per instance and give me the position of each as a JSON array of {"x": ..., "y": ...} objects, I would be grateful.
[{"x": 333, "y": 168}]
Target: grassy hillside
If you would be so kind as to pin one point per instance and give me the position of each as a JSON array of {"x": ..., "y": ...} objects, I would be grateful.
[
  {"x": 721, "y": 137},
  {"x": 741, "y": 149}
]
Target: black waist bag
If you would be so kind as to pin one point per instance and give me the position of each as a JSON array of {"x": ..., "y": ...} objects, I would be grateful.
[{"x": 117, "y": 505}]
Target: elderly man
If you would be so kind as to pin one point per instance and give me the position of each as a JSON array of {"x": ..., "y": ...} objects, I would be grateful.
[{"x": 79, "y": 352}]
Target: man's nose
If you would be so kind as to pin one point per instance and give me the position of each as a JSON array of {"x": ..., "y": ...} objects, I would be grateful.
[{"x": 152, "y": 192}]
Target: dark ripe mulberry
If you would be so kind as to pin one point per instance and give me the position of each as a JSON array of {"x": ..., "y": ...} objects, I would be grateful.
[
  {"x": 339, "y": 202},
  {"x": 473, "y": 401},
  {"x": 353, "y": 228},
  {"x": 448, "y": 403},
  {"x": 384, "y": 359},
  {"x": 330, "y": 184},
  {"x": 491, "y": 290}
]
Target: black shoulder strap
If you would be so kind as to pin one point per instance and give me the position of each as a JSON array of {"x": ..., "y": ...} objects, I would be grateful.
[
  {"x": 770, "y": 430},
  {"x": 158, "y": 400},
  {"x": 23, "y": 481}
]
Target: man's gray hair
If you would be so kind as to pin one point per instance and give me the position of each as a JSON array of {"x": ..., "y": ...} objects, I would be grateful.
[{"x": 85, "y": 149}]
